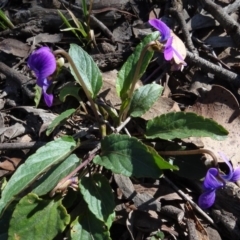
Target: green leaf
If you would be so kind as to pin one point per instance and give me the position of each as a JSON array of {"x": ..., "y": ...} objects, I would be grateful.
[
  {"x": 84, "y": 7},
  {"x": 67, "y": 23},
  {"x": 126, "y": 74},
  {"x": 162, "y": 164},
  {"x": 34, "y": 218},
  {"x": 46, "y": 183},
  {"x": 38, "y": 95},
  {"x": 5, "y": 20},
  {"x": 182, "y": 125},
  {"x": 97, "y": 193},
  {"x": 45, "y": 157},
  {"x": 59, "y": 120},
  {"x": 87, "y": 68},
  {"x": 88, "y": 227},
  {"x": 143, "y": 98},
  {"x": 127, "y": 156},
  {"x": 70, "y": 89}
]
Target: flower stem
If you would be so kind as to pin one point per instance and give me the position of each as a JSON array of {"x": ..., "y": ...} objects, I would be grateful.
[
  {"x": 79, "y": 79},
  {"x": 192, "y": 152},
  {"x": 152, "y": 44},
  {"x": 138, "y": 68}
]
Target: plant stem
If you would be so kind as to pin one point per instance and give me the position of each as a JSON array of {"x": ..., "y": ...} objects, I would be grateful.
[
  {"x": 136, "y": 75},
  {"x": 89, "y": 158},
  {"x": 80, "y": 80},
  {"x": 191, "y": 152},
  {"x": 138, "y": 68}
]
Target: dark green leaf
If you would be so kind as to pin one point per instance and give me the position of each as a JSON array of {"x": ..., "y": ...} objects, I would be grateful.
[
  {"x": 87, "y": 68},
  {"x": 5, "y": 221},
  {"x": 126, "y": 74},
  {"x": 59, "y": 120},
  {"x": 97, "y": 193},
  {"x": 34, "y": 218},
  {"x": 143, "y": 98},
  {"x": 127, "y": 156},
  {"x": 70, "y": 89},
  {"x": 46, "y": 183},
  {"x": 87, "y": 227},
  {"x": 45, "y": 157},
  {"x": 182, "y": 125},
  {"x": 162, "y": 164}
]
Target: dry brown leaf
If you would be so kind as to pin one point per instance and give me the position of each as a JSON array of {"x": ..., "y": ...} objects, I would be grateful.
[
  {"x": 45, "y": 37},
  {"x": 13, "y": 131},
  {"x": 14, "y": 47},
  {"x": 10, "y": 165},
  {"x": 108, "y": 91},
  {"x": 220, "y": 105},
  {"x": 161, "y": 106},
  {"x": 201, "y": 231}
]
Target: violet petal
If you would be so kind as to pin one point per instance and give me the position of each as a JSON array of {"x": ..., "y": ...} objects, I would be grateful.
[
  {"x": 179, "y": 56},
  {"x": 48, "y": 98},
  {"x": 162, "y": 28},
  {"x": 226, "y": 160},
  {"x": 42, "y": 62},
  {"x": 207, "y": 199},
  {"x": 210, "y": 181},
  {"x": 168, "y": 51},
  {"x": 236, "y": 175}
]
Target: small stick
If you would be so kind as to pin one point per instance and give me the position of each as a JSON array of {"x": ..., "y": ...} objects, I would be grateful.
[
  {"x": 25, "y": 145},
  {"x": 17, "y": 77},
  {"x": 215, "y": 69},
  {"x": 231, "y": 26},
  {"x": 193, "y": 204},
  {"x": 176, "y": 11}
]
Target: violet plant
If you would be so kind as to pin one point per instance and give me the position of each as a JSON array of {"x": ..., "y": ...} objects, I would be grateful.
[
  {"x": 215, "y": 180},
  {"x": 57, "y": 166}
]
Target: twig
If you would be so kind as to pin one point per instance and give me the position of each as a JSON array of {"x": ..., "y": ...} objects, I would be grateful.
[
  {"x": 210, "y": 49},
  {"x": 231, "y": 8},
  {"x": 17, "y": 77},
  {"x": 213, "y": 68},
  {"x": 87, "y": 160},
  {"x": 185, "y": 197},
  {"x": 231, "y": 26},
  {"x": 123, "y": 124},
  {"x": 176, "y": 11},
  {"x": 26, "y": 145}
]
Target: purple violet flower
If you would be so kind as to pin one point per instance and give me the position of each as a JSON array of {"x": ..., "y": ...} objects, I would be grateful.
[
  {"x": 43, "y": 63},
  {"x": 166, "y": 37},
  {"x": 215, "y": 180},
  {"x": 162, "y": 28}
]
